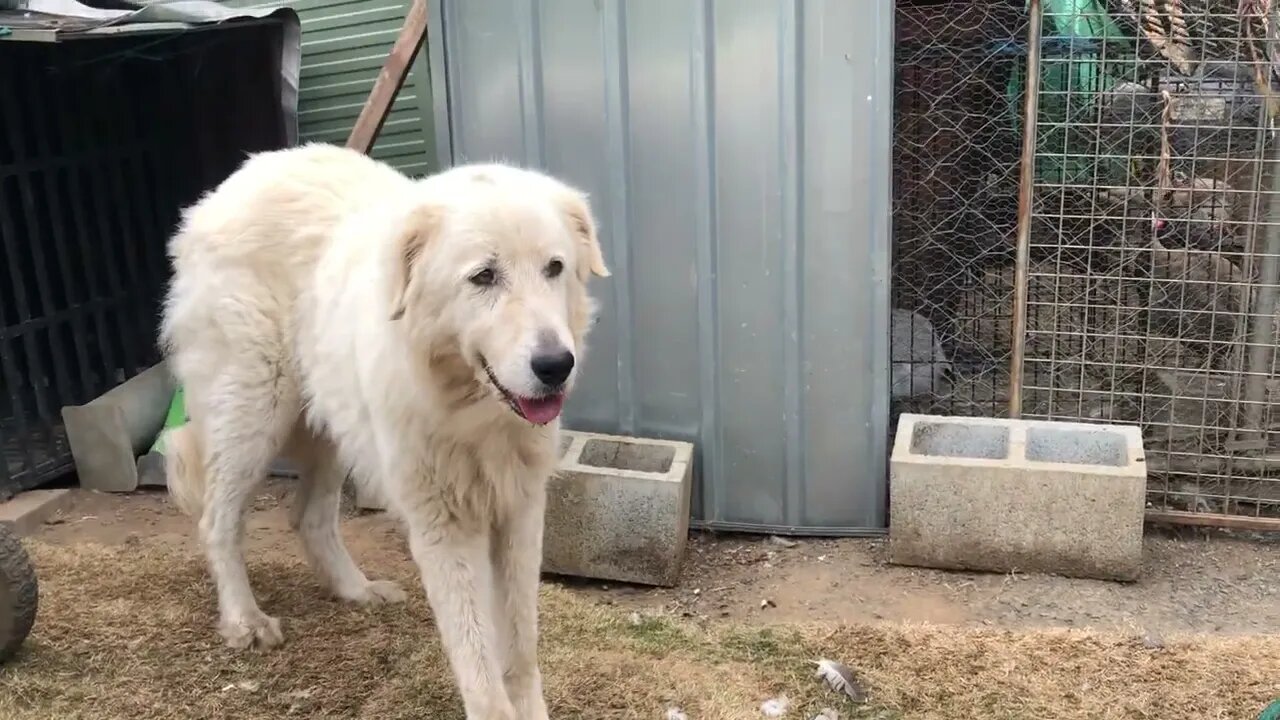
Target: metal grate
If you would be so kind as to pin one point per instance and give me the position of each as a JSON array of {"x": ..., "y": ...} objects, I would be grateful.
[
  {"x": 957, "y": 137},
  {"x": 1154, "y": 264},
  {"x": 101, "y": 142}
]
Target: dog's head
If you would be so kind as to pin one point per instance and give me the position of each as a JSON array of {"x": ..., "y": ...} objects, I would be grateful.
[{"x": 489, "y": 274}]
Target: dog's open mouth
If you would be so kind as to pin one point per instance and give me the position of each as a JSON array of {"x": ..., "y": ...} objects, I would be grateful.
[{"x": 537, "y": 410}]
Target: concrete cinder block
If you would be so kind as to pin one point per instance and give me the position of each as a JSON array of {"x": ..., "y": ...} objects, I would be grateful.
[
  {"x": 618, "y": 509},
  {"x": 1003, "y": 495},
  {"x": 107, "y": 434},
  {"x": 24, "y": 513}
]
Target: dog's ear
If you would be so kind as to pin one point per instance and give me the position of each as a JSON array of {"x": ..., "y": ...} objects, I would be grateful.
[
  {"x": 420, "y": 227},
  {"x": 590, "y": 258}
]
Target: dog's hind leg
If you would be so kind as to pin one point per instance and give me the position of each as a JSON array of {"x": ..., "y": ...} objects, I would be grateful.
[
  {"x": 315, "y": 518},
  {"x": 246, "y": 415}
]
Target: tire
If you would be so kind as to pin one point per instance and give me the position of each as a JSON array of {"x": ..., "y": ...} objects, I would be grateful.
[{"x": 19, "y": 594}]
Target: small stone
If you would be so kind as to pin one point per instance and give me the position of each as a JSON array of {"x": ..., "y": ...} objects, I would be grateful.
[{"x": 766, "y": 603}]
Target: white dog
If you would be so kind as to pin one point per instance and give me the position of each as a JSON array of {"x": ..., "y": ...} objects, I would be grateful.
[{"x": 418, "y": 334}]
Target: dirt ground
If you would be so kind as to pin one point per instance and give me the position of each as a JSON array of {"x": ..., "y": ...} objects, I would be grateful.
[
  {"x": 127, "y": 610},
  {"x": 1193, "y": 582}
]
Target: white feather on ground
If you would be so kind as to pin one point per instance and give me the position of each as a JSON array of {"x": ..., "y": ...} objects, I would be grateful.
[
  {"x": 840, "y": 678},
  {"x": 775, "y": 707}
]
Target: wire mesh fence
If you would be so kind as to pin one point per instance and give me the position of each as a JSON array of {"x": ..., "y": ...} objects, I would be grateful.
[
  {"x": 957, "y": 137},
  {"x": 1155, "y": 251},
  {"x": 1154, "y": 264}
]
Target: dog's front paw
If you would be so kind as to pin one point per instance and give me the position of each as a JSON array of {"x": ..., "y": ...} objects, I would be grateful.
[
  {"x": 376, "y": 592},
  {"x": 258, "y": 630},
  {"x": 532, "y": 709},
  {"x": 495, "y": 711},
  {"x": 526, "y": 695}
]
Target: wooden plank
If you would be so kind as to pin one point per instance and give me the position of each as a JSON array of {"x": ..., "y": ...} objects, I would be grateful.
[
  {"x": 1234, "y": 522},
  {"x": 391, "y": 78}
]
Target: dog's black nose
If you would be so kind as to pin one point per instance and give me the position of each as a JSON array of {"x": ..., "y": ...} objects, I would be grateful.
[{"x": 553, "y": 368}]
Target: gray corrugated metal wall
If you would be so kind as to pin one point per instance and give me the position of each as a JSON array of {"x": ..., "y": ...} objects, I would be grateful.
[
  {"x": 344, "y": 43},
  {"x": 737, "y": 153}
]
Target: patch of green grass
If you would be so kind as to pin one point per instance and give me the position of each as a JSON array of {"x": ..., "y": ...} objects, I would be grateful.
[
  {"x": 766, "y": 646},
  {"x": 655, "y": 634}
]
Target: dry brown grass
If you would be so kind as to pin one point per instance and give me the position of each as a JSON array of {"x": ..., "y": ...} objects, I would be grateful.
[{"x": 125, "y": 632}]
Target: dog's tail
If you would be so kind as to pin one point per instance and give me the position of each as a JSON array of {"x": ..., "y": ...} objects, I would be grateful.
[{"x": 184, "y": 469}]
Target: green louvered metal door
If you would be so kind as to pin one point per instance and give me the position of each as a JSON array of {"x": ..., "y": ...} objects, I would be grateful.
[{"x": 344, "y": 43}]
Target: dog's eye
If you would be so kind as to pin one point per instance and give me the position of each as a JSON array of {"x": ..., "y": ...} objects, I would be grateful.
[
  {"x": 554, "y": 268},
  {"x": 484, "y": 278}
]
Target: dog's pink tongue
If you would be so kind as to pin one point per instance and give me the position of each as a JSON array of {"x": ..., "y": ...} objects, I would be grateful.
[{"x": 541, "y": 410}]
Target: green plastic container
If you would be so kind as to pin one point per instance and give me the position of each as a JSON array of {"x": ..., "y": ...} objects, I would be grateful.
[
  {"x": 1083, "y": 54},
  {"x": 151, "y": 465},
  {"x": 176, "y": 418}
]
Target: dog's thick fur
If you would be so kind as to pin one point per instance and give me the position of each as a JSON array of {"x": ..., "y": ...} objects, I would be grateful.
[{"x": 327, "y": 308}]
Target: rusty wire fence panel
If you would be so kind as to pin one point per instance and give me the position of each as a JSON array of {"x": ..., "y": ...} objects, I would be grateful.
[
  {"x": 957, "y": 137},
  {"x": 1155, "y": 247}
]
